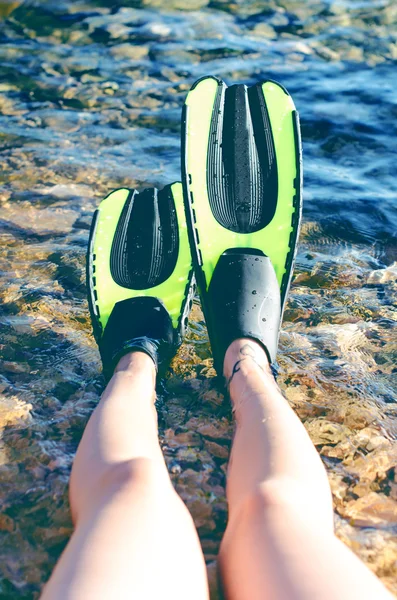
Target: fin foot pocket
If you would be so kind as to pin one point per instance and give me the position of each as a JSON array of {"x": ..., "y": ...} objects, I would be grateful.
[
  {"x": 243, "y": 302},
  {"x": 140, "y": 323}
]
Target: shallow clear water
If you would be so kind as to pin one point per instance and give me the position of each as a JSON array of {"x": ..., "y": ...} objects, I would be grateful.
[{"x": 90, "y": 100}]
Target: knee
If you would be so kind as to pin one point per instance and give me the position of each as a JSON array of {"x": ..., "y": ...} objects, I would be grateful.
[
  {"x": 277, "y": 493},
  {"x": 138, "y": 472},
  {"x": 286, "y": 497},
  {"x": 269, "y": 495},
  {"x": 139, "y": 475}
]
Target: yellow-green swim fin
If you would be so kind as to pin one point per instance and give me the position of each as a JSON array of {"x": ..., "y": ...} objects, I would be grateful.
[
  {"x": 241, "y": 172},
  {"x": 139, "y": 274}
]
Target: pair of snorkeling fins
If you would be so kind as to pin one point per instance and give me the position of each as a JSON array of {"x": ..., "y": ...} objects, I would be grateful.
[{"x": 232, "y": 225}]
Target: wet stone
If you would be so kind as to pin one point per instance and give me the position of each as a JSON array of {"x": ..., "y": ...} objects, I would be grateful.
[
  {"x": 383, "y": 275},
  {"x": 372, "y": 510},
  {"x": 177, "y": 4},
  {"x": 264, "y": 30},
  {"x": 217, "y": 450},
  {"x": 129, "y": 51}
]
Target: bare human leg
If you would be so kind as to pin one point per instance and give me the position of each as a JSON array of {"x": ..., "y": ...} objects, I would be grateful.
[
  {"x": 279, "y": 543},
  {"x": 134, "y": 537}
]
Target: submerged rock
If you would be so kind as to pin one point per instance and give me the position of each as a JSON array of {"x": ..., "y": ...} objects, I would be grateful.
[
  {"x": 373, "y": 510},
  {"x": 129, "y": 51},
  {"x": 177, "y": 4},
  {"x": 383, "y": 275},
  {"x": 13, "y": 411}
]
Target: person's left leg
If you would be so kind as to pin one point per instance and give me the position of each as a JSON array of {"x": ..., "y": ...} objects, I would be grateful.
[
  {"x": 134, "y": 537},
  {"x": 279, "y": 542}
]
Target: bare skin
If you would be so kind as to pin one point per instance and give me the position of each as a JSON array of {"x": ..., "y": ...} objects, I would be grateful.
[
  {"x": 279, "y": 542},
  {"x": 134, "y": 537}
]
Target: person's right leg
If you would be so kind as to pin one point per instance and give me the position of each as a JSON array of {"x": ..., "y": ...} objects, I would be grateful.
[
  {"x": 134, "y": 537},
  {"x": 279, "y": 543}
]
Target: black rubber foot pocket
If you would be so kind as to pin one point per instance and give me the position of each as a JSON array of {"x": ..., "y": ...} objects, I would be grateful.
[
  {"x": 137, "y": 323},
  {"x": 243, "y": 300}
]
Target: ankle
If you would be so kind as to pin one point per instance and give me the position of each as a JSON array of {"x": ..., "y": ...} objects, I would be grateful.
[
  {"x": 136, "y": 362},
  {"x": 245, "y": 356}
]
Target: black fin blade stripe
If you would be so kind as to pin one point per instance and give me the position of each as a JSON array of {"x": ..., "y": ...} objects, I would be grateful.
[
  {"x": 216, "y": 184},
  {"x": 264, "y": 145},
  {"x": 241, "y": 167},
  {"x": 146, "y": 243},
  {"x": 118, "y": 263}
]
